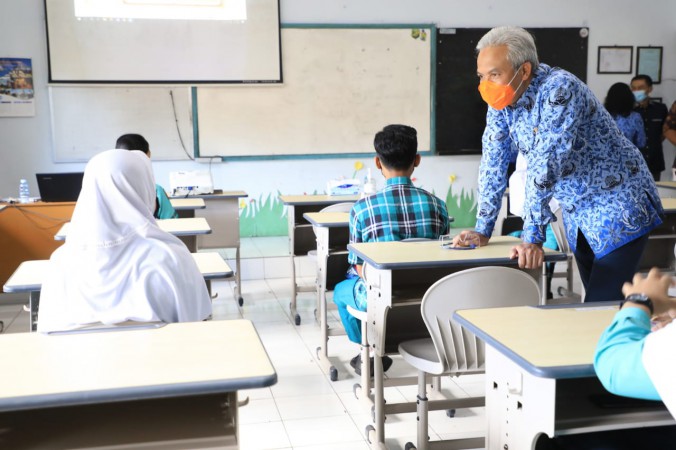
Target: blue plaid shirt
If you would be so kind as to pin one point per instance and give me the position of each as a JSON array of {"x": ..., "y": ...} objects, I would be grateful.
[
  {"x": 399, "y": 211},
  {"x": 576, "y": 154}
]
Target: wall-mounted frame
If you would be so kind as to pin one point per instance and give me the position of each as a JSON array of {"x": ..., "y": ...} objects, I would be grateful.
[
  {"x": 615, "y": 59},
  {"x": 649, "y": 62}
]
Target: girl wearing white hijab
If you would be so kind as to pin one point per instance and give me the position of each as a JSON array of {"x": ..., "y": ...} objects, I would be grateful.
[{"x": 116, "y": 264}]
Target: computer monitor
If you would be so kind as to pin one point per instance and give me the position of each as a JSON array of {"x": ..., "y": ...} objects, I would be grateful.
[{"x": 59, "y": 187}]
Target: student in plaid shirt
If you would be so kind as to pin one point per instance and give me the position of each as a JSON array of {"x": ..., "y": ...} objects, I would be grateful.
[{"x": 399, "y": 211}]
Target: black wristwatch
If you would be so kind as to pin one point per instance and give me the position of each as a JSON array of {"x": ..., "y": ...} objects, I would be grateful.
[{"x": 639, "y": 299}]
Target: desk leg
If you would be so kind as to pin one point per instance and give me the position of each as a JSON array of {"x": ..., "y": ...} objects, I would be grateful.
[
  {"x": 379, "y": 407},
  {"x": 291, "y": 215},
  {"x": 34, "y": 305},
  {"x": 519, "y": 406},
  {"x": 190, "y": 242},
  {"x": 238, "y": 279}
]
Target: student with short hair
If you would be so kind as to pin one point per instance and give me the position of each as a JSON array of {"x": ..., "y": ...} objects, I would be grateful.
[
  {"x": 117, "y": 265},
  {"x": 399, "y": 211},
  {"x": 163, "y": 208}
]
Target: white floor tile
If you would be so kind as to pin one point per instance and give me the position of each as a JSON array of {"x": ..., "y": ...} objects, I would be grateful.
[
  {"x": 322, "y": 430},
  {"x": 259, "y": 411},
  {"x": 263, "y": 436},
  {"x": 310, "y": 406},
  {"x": 301, "y": 386}
]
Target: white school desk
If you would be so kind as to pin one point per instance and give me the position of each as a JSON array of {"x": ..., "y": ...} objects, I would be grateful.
[
  {"x": 301, "y": 237},
  {"x": 130, "y": 388},
  {"x": 397, "y": 274},
  {"x": 539, "y": 374},
  {"x": 222, "y": 212},
  {"x": 186, "y": 207},
  {"x": 29, "y": 276},
  {"x": 659, "y": 250},
  {"x": 185, "y": 228},
  {"x": 331, "y": 229},
  {"x": 666, "y": 188}
]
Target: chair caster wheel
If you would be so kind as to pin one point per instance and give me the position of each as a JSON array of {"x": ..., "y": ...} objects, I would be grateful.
[
  {"x": 240, "y": 301},
  {"x": 355, "y": 389},
  {"x": 297, "y": 319},
  {"x": 450, "y": 413},
  {"x": 333, "y": 373},
  {"x": 561, "y": 291}
]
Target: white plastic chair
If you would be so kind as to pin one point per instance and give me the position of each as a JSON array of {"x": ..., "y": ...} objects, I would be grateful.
[
  {"x": 452, "y": 350},
  {"x": 562, "y": 241}
]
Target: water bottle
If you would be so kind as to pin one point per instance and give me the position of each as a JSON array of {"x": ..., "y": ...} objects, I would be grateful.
[{"x": 24, "y": 191}]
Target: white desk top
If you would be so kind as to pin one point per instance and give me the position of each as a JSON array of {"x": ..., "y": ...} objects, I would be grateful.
[
  {"x": 180, "y": 204},
  {"x": 218, "y": 194},
  {"x": 317, "y": 199},
  {"x": 328, "y": 219},
  {"x": 178, "y": 227},
  {"x": 403, "y": 255},
  {"x": 30, "y": 274},
  {"x": 669, "y": 204},
  {"x": 549, "y": 342},
  {"x": 98, "y": 367},
  {"x": 666, "y": 184}
]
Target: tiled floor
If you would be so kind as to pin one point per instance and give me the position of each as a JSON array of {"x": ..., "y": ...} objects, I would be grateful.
[{"x": 305, "y": 410}]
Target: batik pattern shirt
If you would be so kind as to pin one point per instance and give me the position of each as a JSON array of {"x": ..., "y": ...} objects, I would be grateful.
[
  {"x": 575, "y": 154},
  {"x": 399, "y": 211},
  {"x": 632, "y": 128}
]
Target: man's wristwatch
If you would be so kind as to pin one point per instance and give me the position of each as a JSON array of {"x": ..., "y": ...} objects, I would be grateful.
[{"x": 639, "y": 299}]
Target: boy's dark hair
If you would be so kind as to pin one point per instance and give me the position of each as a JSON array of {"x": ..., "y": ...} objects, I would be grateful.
[
  {"x": 132, "y": 142},
  {"x": 620, "y": 100},
  {"x": 397, "y": 146},
  {"x": 646, "y": 78}
]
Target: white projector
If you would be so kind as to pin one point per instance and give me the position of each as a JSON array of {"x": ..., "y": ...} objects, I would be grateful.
[{"x": 193, "y": 182}]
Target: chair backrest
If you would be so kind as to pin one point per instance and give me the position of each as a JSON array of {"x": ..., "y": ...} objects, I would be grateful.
[
  {"x": 338, "y": 207},
  {"x": 560, "y": 233},
  {"x": 482, "y": 287}
]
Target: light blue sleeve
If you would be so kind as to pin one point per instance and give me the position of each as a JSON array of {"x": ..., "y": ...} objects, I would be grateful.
[
  {"x": 165, "y": 211},
  {"x": 618, "y": 362}
]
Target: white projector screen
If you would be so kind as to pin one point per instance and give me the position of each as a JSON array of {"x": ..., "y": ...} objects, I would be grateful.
[{"x": 163, "y": 41}]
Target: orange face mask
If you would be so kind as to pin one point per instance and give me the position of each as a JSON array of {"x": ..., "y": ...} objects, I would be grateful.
[{"x": 498, "y": 96}]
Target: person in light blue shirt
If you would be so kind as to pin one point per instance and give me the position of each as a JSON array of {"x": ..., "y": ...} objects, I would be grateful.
[
  {"x": 163, "y": 208},
  {"x": 575, "y": 153},
  {"x": 620, "y": 104}
]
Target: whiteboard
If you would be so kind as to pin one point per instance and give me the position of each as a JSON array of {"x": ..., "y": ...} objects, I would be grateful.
[
  {"x": 88, "y": 119},
  {"x": 341, "y": 86}
]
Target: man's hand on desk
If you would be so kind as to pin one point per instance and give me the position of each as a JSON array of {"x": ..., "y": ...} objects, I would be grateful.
[
  {"x": 468, "y": 238},
  {"x": 530, "y": 256},
  {"x": 655, "y": 286}
]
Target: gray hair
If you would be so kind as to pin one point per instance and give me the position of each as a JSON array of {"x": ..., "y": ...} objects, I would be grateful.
[{"x": 519, "y": 42}]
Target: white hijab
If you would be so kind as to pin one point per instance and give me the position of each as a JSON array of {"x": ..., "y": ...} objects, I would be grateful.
[
  {"x": 116, "y": 264},
  {"x": 659, "y": 360}
]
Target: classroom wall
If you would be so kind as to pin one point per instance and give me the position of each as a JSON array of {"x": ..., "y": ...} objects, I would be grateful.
[{"x": 25, "y": 143}]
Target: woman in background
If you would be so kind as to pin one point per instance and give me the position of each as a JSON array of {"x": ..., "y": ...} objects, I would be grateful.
[
  {"x": 620, "y": 104},
  {"x": 117, "y": 265}
]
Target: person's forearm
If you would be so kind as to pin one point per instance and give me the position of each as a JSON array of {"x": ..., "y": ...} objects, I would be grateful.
[
  {"x": 618, "y": 362},
  {"x": 671, "y": 136}
]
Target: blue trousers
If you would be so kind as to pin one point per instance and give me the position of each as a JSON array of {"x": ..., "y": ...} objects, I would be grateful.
[
  {"x": 603, "y": 277},
  {"x": 344, "y": 295}
]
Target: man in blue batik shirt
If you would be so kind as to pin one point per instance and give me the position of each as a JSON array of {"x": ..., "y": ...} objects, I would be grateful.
[{"x": 575, "y": 153}]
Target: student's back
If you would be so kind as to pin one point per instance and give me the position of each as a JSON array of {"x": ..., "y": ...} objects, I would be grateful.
[
  {"x": 399, "y": 211},
  {"x": 116, "y": 264}
]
